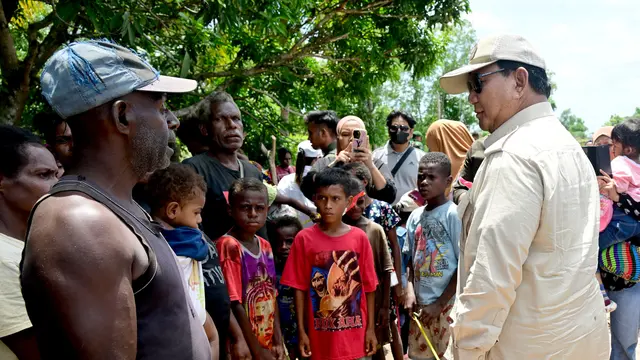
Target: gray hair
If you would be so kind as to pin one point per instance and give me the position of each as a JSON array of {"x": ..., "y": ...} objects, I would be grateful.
[{"x": 201, "y": 111}]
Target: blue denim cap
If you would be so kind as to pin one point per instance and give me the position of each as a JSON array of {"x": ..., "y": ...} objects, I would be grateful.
[{"x": 85, "y": 75}]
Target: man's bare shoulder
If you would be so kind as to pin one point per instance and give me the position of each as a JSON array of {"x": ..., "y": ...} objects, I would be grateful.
[{"x": 80, "y": 228}]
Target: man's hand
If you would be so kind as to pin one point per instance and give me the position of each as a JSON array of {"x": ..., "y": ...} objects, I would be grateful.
[
  {"x": 364, "y": 156},
  {"x": 430, "y": 312},
  {"x": 304, "y": 345},
  {"x": 370, "y": 342},
  {"x": 312, "y": 214},
  {"x": 383, "y": 318},
  {"x": 278, "y": 351},
  {"x": 240, "y": 350},
  {"x": 608, "y": 187}
]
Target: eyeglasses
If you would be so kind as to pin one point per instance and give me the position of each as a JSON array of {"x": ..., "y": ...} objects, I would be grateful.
[
  {"x": 475, "y": 84},
  {"x": 395, "y": 128}
]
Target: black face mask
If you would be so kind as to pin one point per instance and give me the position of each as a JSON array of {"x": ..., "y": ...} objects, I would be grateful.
[{"x": 399, "y": 137}]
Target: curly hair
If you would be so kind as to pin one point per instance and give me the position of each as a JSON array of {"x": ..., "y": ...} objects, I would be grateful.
[
  {"x": 13, "y": 149},
  {"x": 177, "y": 183},
  {"x": 439, "y": 159},
  {"x": 360, "y": 171},
  {"x": 242, "y": 185},
  {"x": 282, "y": 222}
]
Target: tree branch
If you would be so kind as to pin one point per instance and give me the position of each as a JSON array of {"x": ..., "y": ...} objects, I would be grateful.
[
  {"x": 272, "y": 97},
  {"x": 336, "y": 59},
  {"x": 9, "y": 63}
]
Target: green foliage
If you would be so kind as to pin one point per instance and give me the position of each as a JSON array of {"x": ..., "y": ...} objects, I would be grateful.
[
  {"x": 421, "y": 96},
  {"x": 617, "y": 119},
  {"x": 575, "y": 125},
  {"x": 274, "y": 57}
]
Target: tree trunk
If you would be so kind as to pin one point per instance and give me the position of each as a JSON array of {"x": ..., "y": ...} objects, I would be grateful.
[{"x": 12, "y": 105}]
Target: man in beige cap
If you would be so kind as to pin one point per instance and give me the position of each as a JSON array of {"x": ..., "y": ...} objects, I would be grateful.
[{"x": 528, "y": 249}]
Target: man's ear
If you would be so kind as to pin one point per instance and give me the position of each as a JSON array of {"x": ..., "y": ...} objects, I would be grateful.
[
  {"x": 522, "y": 79},
  {"x": 119, "y": 115},
  {"x": 203, "y": 130},
  {"x": 449, "y": 180},
  {"x": 172, "y": 210}
]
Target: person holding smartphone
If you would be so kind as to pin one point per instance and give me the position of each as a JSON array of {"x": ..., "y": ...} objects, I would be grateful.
[{"x": 352, "y": 149}]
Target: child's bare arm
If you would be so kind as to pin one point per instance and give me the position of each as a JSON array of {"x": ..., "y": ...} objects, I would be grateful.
[
  {"x": 212, "y": 335},
  {"x": 371, "y": 343},
  {"x": 278, "y": 345},
  {"x": 239, "y": 348},
  {"x": 410, "y": 296},
  {"x": 303, "y": 339},
  {"x": 395, "y": 254},
  {"x": 257, "y": 351},
  {"x": 383, "y": 312}
]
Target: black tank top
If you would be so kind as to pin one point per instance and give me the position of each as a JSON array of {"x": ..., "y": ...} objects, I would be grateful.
[{"x": 168, "y": 327}]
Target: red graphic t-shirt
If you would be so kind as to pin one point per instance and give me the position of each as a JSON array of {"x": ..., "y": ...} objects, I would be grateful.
[
  {"x": 251, "y": 280},
  {"x": 336, "y": 272}
]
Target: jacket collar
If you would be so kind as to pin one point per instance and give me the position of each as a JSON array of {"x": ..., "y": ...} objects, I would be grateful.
[{"x": 533, "y": 112}]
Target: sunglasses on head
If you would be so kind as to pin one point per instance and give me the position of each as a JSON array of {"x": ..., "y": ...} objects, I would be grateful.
[
  {"x": 395, "y": 128},
  {"x": 474, "y": 83}
]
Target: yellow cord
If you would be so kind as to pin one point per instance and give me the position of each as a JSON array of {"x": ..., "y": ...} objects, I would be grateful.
[{"x": 424, "y": 334}]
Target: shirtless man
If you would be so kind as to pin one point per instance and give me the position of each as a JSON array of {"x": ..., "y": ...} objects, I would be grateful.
[{"x": 98, "y": 280}]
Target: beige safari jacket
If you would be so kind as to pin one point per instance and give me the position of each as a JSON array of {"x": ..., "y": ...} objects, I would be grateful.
[{"x": 528, "y": 249}]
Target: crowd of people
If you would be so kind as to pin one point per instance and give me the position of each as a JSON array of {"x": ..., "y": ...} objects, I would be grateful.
[{"x": 510, "y": 246}]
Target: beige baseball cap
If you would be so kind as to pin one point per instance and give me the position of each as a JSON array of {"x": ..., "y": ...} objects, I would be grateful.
[{"x": 488, "y": 51}]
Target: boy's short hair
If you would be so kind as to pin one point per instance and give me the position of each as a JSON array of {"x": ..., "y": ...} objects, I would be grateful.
[
  {"x": 282, "y": 222},
  {"x": 247, "y": 184},
  {"x": 359, "y": 170},
  {"x": 329, "y": 118},
  {"x": 439, "y": 159},
  {"x": 627, "y": 133},
  {"x": 177, "y": 183},
  {"x": 336, "y": 176}
]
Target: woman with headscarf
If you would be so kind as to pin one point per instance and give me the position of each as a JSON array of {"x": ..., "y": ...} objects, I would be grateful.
[
  {"x": 453, "y": 139},
  {"x": 602, "y": 136},
  {"x": 382, "y": 186}
]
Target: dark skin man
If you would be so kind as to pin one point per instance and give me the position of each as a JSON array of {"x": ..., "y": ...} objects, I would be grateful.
[{"x": 91, "y": 257}]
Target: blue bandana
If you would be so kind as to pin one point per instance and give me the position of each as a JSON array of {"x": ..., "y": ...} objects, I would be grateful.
[{"x": 186, "y": 241}]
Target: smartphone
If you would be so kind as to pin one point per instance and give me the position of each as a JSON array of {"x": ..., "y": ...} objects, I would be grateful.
[
  {"x": 360, "y": 140},
  {"x": 599, "y": 158}
]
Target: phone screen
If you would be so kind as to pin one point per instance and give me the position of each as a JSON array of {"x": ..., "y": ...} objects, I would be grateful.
[{"x": 599, "y": 158}]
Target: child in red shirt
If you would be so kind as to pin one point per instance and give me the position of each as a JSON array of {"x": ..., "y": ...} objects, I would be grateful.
[
  {"x": 249, "y": 271},
  {"x": 331, "y": 267}
]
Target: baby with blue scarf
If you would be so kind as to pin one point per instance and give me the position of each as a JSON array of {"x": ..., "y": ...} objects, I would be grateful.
[{"x": 176, "y": 198}]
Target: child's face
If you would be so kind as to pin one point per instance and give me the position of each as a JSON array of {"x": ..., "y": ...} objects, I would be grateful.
[
  {"x": 284, "y": 240},
  {"x": 249, "y": 210},
  {"x": 188, "y": 213},
  {"x": 356, "y": 212},
  {"x": 331, "y": 202},
  {"x": 431, "y": 181},
  {"x": 617, "y": 149}
]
